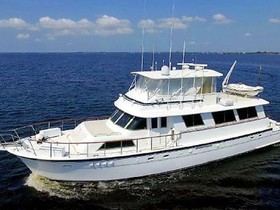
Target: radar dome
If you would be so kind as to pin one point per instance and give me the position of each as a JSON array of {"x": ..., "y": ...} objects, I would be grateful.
[{"x": 165, "y": 71}]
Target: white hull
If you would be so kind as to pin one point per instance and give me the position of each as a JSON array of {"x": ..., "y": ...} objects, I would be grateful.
[{"x": 152, "y": 163}]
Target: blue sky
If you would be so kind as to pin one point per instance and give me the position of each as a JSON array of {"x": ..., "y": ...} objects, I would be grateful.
[{"x": 117, "y": 25}]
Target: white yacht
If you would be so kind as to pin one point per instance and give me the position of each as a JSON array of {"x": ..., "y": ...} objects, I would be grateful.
[{"x": 168, "y": 120}]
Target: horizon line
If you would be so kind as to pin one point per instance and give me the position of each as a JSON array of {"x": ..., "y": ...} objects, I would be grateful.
[{"x": 203, "y": 52}]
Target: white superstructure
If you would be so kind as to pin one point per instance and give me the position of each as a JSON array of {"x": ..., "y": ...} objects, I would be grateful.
[{"x": 168, "y": 120}]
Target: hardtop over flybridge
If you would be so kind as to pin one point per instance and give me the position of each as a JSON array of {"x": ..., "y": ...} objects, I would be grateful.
[{"x": 169, "y": 119}]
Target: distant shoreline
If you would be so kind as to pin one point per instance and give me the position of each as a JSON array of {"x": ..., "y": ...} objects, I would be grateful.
[{"x": 258, "y": 52}]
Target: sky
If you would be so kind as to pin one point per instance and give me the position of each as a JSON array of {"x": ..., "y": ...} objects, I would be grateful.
[{"x": 133, "y": 25}]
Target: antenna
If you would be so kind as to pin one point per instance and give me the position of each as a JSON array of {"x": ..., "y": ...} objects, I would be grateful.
[
  {"x": 183, "y": 61},
  {"x": 153, "y": 59},
  {"x": 143, "y": 36},
  {"x": 260, "y": 74},
  {"x": 184, "y": 51},
  {"x": 171, "y": 33}
]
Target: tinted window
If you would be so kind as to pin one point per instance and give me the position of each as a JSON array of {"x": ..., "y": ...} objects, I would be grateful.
[
  {"x": 223, "y": 116},
  {"x": 125, "y": 118},
  {"x": 115, "y": 116},
  {"x": 252, "y": 112},
  {"x": 154, "y": 123},
  {"x": 193, "y": 120},
  {"x": 137, "y": 124},
  {"x": 117, "y": 144},
  {"x": 163, "y": 122},
  {"x": 248, "y": 112}
]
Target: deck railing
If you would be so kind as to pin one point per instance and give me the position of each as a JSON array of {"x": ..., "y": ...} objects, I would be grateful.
[
  {"x": 12, "y": 136},
  {"x": 139, "y": 145},
  {"x": 153, "y": 143},
  {"x": 28, "y": 133}
]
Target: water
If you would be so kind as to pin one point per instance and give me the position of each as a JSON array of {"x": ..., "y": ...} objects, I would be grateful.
[{"x": 39, "y": 87}]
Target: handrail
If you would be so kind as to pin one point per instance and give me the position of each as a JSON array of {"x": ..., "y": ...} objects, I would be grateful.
[
  {"x": 12, "y": 140},
  {"x": 170, "y": 135},
  {"x": 49, "y": 122},
  {"x": 167, "y": 140},
  {"x": 119, "y": 150},
  {"x": 11, "y": 136},
  {"x": 142, "y": 138},
  {"x": 98, "y": 142},
  {"x": 73, "y": 119}
]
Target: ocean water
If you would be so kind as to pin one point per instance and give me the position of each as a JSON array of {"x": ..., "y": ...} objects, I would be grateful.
[{"x": 37, "y": 87}]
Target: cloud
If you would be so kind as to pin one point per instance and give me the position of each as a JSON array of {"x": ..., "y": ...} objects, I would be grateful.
[
  {"x": 104, "y": 26},
  {"x": 21, "y": 36},
  {"x": 16, "y": 23},
  {"x": 193, "y": 19},
  {"x": 63, "y": 23},
  {"x": 274, "y": 20},
  {"x": 221, "y": 19},
  {"x": 53, "y": 28},
  {"x": 108, "y": 25},
  {"x": 176, "y": 23},
  {"x": 152, "y": 26},
  {"x": 247, "y": 34},
  {"x": 149, "y": 25},
  {"x": 64, "y": 27}
]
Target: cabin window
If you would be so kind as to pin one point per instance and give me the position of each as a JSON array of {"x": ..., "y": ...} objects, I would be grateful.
[
  {"x": 193, "y": 120},
  {"x": 116, "y": 115},
  {"x": 154, "y": 123},
  {"x": 128, "y": 121},
  {"x": 116, "y": 144},
  {"x": 248, "y": 112},
  {"x": 223, "y": 116},
  {"x": 137, "y": 124},
  {"x": 163, "y": 122},
  {"x": 125, "y": 118},
  {"x": 192, "y": 67}
]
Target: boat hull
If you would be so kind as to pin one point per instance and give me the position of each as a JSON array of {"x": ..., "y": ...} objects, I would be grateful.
[{"x": 148, "y": 164}]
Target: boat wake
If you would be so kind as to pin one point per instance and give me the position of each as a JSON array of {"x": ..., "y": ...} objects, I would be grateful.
[
  {"x": 71, "y": 190},
  {"x": 112, "y": 194},
  {"x": 130, "y": 194}
]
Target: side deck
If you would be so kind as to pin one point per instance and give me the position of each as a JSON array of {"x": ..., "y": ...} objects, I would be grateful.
[{"x": 63, "y": 149}]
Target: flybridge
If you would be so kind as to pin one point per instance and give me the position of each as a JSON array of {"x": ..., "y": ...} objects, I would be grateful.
[
  {"x": 173, "y": 85},
  {"x": 188, "y": 70}
]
